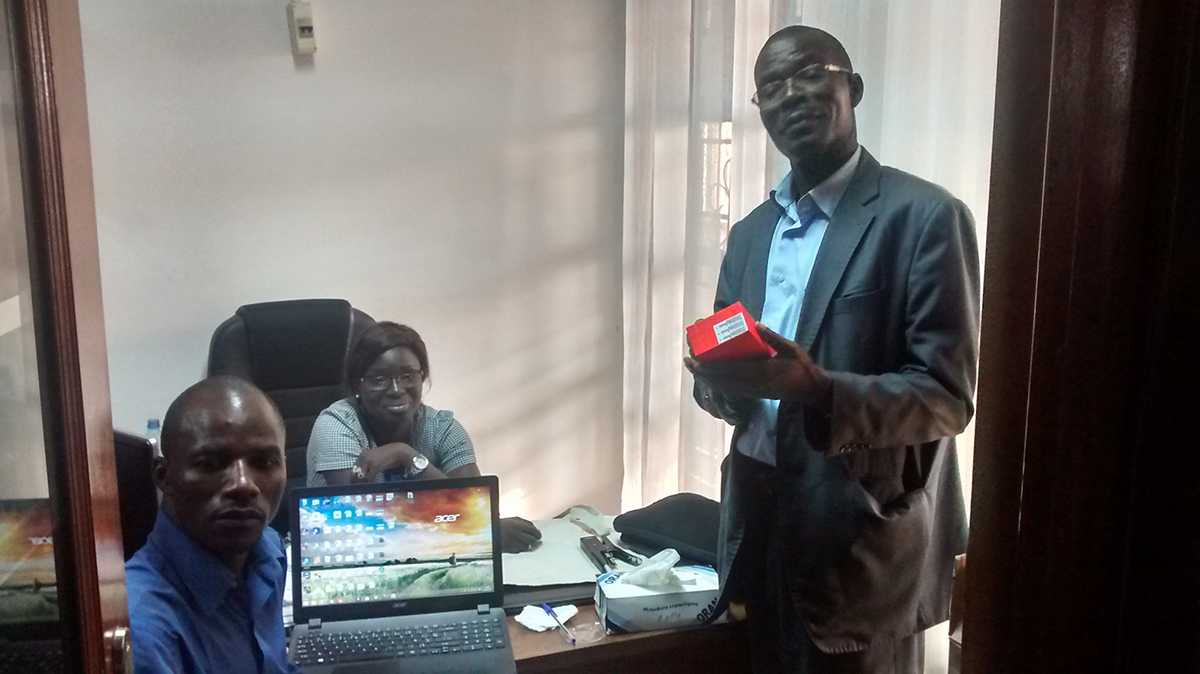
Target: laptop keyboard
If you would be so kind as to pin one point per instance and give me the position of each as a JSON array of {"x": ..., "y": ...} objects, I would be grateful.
[{"x": 481, "y": 634}]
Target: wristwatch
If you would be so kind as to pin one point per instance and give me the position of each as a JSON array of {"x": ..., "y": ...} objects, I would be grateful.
[{"x": 419, "y": 463}]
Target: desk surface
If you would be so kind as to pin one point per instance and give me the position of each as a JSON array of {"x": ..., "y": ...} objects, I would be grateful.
[{"x": 710, "y": 648}]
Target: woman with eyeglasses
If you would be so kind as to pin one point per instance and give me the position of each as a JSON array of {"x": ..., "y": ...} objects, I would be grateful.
[{"x": 383, "y": 432}]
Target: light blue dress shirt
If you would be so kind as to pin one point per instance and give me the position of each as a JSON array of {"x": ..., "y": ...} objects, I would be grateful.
[
  {"x": 794, "y": 246},
  {"x": 189, "y": 614}
]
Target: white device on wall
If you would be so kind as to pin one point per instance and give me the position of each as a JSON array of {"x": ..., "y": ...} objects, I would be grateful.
[{"x": 300, "y": 25}]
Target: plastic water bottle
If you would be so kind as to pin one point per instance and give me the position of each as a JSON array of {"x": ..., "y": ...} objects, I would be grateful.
[{"x": 153, "y": 429}]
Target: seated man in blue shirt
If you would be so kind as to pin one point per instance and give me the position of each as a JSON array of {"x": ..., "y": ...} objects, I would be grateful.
[{"x": 205, "y": 593}]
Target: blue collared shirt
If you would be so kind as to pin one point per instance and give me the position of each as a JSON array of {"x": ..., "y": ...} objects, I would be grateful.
[
  {"x": 794, "y": 246},
  {"x": 189, "y": 614}
]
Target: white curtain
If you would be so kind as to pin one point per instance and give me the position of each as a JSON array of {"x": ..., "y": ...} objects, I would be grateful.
[
  {"x": 696, "y": 154},
  {"x": 930, "y": 73}
]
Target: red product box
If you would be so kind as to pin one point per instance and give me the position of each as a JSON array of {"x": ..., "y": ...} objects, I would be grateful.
[{"x": 729, "y": 334}]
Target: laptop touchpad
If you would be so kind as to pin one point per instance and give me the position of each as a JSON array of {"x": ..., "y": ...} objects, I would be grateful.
[
  {"x": 427, "y": 666},
  {"x": 385, "y": 667}
]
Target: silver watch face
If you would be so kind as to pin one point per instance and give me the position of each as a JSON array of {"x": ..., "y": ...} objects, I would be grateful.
[{"x": 420, "y": 462}]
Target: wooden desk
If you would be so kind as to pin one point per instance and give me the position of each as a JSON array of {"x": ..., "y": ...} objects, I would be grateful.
[{"x": 711, "y": 648}]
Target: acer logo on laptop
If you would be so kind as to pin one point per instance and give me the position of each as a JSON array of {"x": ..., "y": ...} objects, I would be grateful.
[{"x": 446, "y": 518}]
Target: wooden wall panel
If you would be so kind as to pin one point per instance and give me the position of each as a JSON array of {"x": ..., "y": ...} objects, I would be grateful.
[
  {"x": 1080, "y": 495},
  {"x": 1006, "y": 339}
]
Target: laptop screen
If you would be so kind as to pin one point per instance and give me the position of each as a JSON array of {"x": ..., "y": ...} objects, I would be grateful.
[
  {"x": 396, "y": 545},
  {"x": 28, "y": 593}
]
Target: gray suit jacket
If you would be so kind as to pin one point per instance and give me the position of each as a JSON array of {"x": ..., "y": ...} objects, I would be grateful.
[{"x": 872, "y": 490}]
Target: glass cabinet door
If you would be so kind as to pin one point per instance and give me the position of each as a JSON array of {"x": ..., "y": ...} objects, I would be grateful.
[
  {"x": 29, "y": 616},
  {"x": 62, "y": 592}
]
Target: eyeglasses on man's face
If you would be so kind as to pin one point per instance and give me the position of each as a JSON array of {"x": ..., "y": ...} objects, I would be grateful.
[
  {"x": 380, "y": 382},
  {"x": 772, "y": 93}
]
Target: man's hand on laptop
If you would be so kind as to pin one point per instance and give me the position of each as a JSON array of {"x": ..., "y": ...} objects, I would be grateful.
[{"x": 518, "y": 534}]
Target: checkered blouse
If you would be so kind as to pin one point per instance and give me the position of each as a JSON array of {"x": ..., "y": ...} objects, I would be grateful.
[{"x": 338, "y": 437}]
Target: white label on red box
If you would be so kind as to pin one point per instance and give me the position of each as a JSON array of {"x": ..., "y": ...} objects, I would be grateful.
[{"x": 730, "y": 327}]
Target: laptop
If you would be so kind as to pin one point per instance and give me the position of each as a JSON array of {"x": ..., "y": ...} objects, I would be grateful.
[
  {"x": 29, "y": 629},
  {"x": 400, "y": 576}
]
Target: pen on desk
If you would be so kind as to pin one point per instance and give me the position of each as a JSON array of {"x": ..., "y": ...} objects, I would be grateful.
[{"x": 561, "y": 626}]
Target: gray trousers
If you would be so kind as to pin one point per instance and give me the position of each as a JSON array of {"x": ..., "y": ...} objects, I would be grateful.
[{"x": 778, "y": 639}]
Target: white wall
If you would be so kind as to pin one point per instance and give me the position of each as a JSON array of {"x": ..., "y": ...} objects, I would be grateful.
[{"x": 453, "y": 165}]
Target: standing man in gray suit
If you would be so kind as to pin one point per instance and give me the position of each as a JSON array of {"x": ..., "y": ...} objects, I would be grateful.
[{"x": 841, "y": 503}]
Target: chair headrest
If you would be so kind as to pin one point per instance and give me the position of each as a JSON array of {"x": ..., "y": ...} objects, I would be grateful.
[{"x": 297, "y": 343}]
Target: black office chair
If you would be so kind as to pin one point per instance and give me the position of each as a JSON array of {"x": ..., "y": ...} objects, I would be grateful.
[
  {"x": 295, "y": 351},
  {"x": 136, "y": 493}
]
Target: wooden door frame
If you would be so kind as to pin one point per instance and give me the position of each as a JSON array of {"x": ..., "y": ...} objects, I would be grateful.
[
  {"x": 69, "y": 324},
  {"x": 1089, "y": 163},
  {"x": 1006, "y": 343}
]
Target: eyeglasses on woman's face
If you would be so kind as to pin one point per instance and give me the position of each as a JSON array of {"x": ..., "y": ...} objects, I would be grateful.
[{"x": 381, "y": 382}]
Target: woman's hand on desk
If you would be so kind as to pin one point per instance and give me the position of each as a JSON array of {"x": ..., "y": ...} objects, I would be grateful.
[{"x": 518, "y": 534}]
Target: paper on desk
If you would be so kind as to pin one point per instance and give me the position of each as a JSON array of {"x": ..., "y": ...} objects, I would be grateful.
[
  {"x": 287, "y": 589},
  {"x": 557, "y": 561},
  {"x": 536, "y": 618}
]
